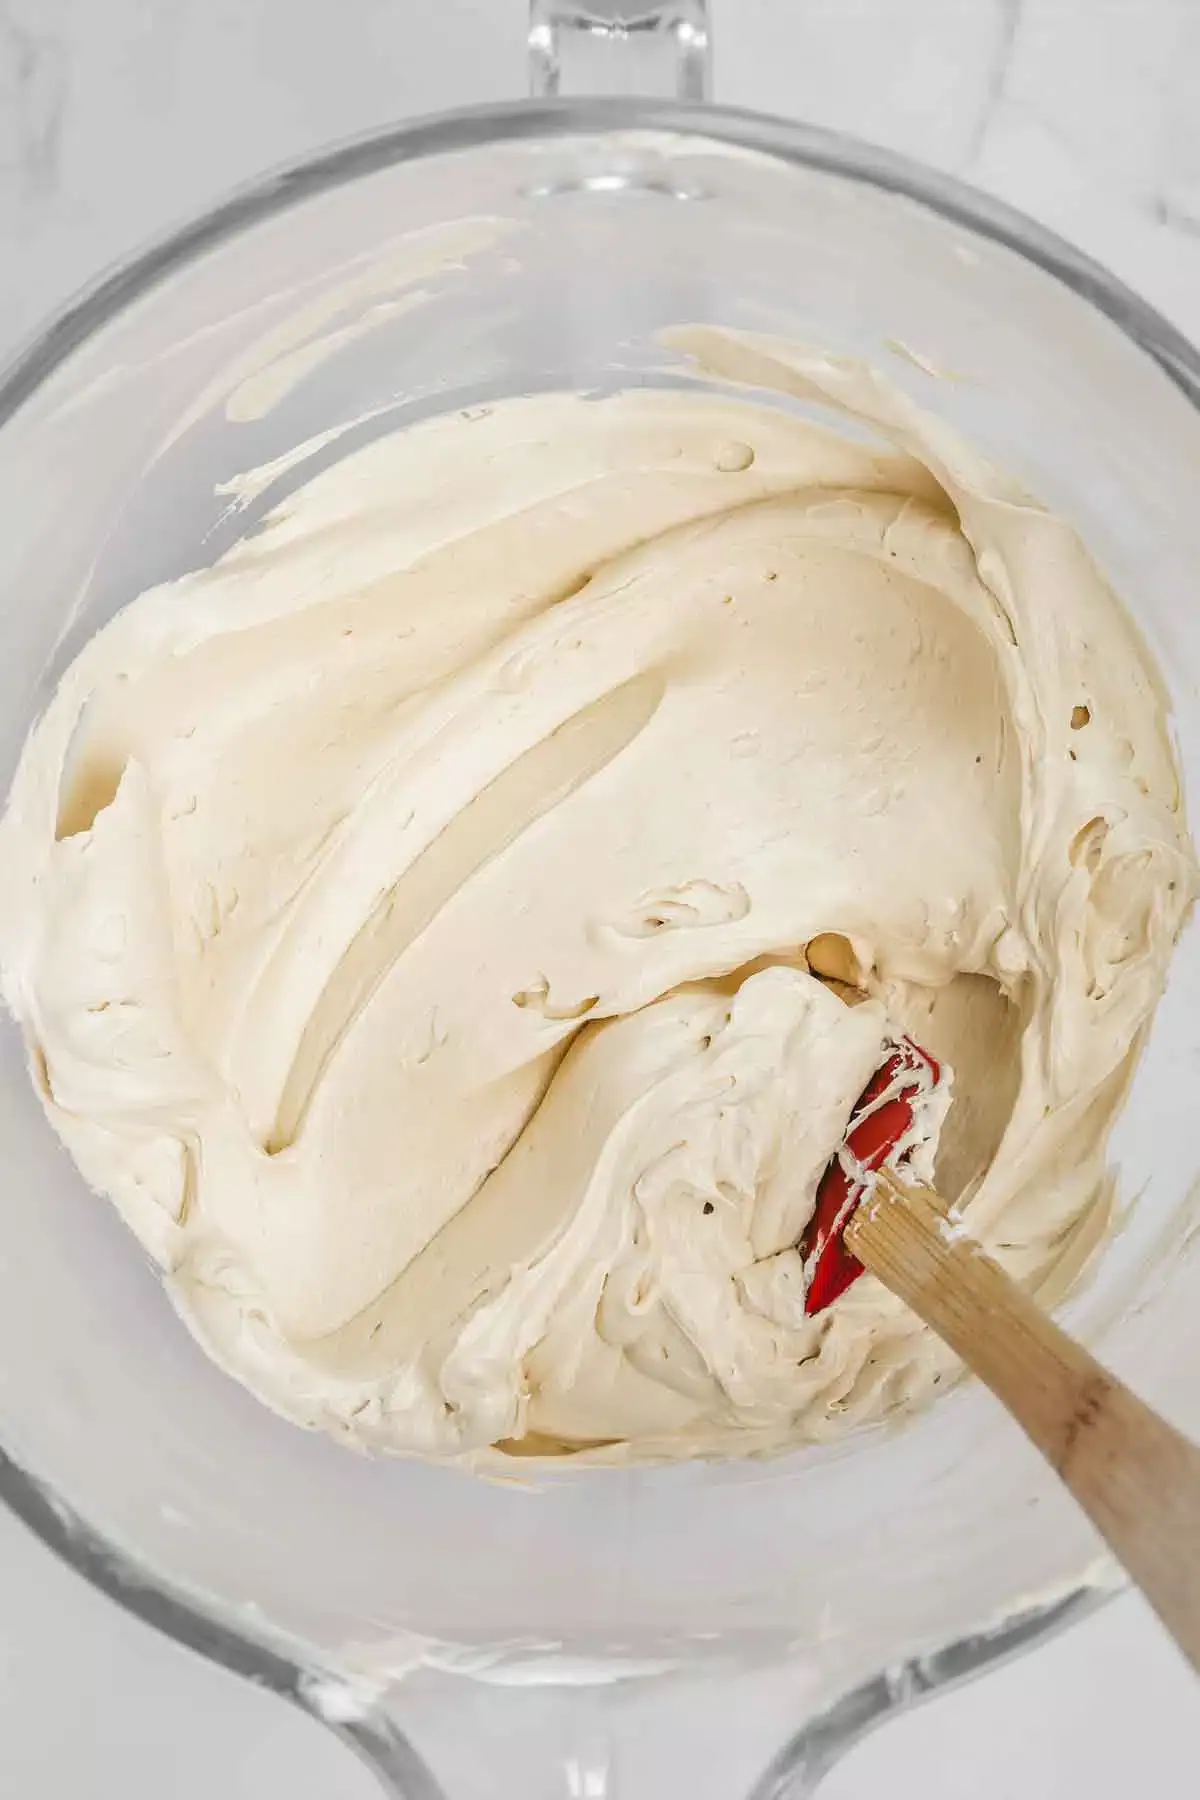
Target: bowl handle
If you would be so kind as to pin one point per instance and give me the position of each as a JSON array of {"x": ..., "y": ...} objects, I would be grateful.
[{"x": 663, "y": 51}]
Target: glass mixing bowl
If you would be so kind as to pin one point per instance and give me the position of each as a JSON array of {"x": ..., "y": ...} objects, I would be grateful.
[{"x": 464, "y": 1634}]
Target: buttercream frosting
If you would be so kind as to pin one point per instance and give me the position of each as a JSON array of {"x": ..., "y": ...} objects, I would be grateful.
[{"x": 417, "y": 918}]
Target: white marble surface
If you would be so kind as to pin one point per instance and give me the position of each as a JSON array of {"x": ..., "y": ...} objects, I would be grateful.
[{"x": 119, "y": 117}]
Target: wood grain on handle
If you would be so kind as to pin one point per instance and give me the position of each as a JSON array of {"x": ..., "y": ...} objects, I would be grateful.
[{"x": 1137, "y": 1479}]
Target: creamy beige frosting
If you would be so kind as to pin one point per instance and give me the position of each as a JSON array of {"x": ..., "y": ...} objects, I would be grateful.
[{"x": 408, "y": 915}]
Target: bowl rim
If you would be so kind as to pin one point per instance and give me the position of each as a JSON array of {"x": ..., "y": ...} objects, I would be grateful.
[
  {"x": 783, "y": 140},
  {"x": 198, "y": 1620}
]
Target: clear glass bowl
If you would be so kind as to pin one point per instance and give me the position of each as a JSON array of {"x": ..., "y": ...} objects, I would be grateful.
[{"x": 923, "y": 1552}]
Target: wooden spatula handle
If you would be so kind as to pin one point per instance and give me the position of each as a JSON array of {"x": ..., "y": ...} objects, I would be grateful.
[{"x": 1137, "y": 1479}]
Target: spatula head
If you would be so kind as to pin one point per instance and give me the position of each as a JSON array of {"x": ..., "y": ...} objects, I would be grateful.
[{"x": 881, "y": 1131}]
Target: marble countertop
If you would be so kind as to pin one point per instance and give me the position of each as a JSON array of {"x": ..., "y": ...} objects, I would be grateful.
[{"x": 119, "y": 119}]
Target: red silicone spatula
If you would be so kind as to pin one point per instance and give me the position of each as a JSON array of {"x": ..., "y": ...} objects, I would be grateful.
[
  {"x": 880, "y": 1126},
  {"x": 1136, "y": 1478}
]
